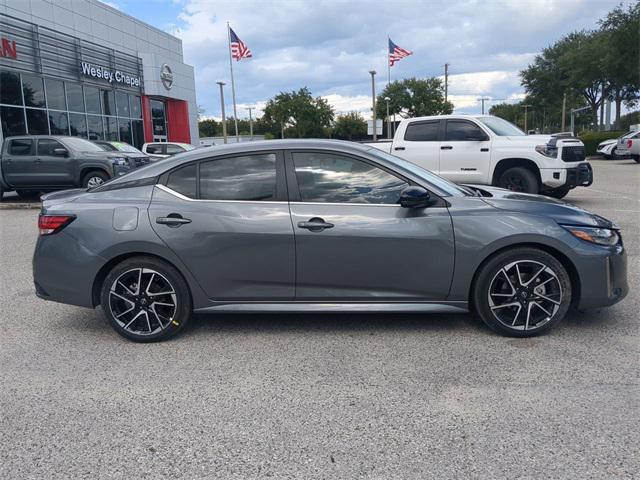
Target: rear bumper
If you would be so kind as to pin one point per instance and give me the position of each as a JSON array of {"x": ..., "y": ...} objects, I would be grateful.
[{"x": 603, "y": 279}]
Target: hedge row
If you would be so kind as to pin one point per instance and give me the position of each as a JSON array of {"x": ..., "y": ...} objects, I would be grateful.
[{"x": 592, "y": 139}]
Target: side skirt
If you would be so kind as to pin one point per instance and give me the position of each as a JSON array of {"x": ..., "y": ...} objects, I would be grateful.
[{"x": 309, "y": 307}]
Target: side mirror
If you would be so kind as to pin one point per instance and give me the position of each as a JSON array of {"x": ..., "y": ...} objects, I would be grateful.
[
  {"x": 415, "y": 197},
  {"x": 60, "y": 152}
]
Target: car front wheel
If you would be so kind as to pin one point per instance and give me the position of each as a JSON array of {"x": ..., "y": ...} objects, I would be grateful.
[
  {"x": 522, "y": 292},
  {"x": 146, "y": 299}
]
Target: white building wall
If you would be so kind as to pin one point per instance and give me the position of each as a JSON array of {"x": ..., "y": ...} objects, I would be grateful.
[{"x": 97, "y": 22}]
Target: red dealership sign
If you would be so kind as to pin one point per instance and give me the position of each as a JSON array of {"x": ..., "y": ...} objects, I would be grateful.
[{"x": 8, "y": 49}]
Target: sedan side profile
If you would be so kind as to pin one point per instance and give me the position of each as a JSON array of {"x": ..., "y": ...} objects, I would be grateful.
[{"x": 318, "y": 225}]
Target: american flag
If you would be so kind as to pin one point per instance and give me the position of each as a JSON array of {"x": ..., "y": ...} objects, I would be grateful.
[
  {"x": 238, "y": 49},
  {"x": 396, "y": 53}
]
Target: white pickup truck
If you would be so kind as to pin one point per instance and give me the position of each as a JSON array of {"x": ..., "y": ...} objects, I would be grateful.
[{"x": 487, "y": 150}]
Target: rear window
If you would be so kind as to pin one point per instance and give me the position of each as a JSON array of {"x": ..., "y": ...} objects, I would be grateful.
[
  {"x": 422, "y": 132},
  {"x": 21, "y": 147},
  {"x": 154, "y": 148}
]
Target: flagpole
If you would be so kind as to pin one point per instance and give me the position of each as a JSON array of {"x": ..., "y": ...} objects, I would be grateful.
[
  {"x": 233, "y": 84},
  {"x": 388, "y": 64}
]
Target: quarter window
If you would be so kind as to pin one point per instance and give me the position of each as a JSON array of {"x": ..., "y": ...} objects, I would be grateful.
[
  {"x": 183, "y": 180},
  {"x": 21, "y": 147},
  {"x": 250, "y": 177},
  {"x": 330, "y": 178},
  {"x": 422, "y": 132},
  {"x": 461, "y": 130}
]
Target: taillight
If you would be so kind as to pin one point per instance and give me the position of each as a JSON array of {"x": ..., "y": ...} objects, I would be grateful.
[
  {"x": 629, "y": 143},
  {"x": 49, "y": 224}
]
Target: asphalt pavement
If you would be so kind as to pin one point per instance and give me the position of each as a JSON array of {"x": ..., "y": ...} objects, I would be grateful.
[{"x": 321, "y": 396}]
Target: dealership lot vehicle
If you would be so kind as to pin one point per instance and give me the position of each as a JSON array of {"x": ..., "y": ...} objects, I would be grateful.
[
  {"x": 616, "y": 148},
  {"x": 487, "y": 150},
  {"x": 160, "y": 150},
  {"x": 316, "y": 226},
  {"x": 135, "y": 157},
  {"x": 33, "y": 164},
  {"x": 629, "y": 146}
]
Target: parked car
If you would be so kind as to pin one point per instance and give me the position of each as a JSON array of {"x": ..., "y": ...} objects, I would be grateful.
[
  {"x": 318, "y": 225},
  {"x": 487, "y": 150},
  {"x": 159, "y": 150},
  {"x": 629, "y": 146},
  {"x": 609, "y": 148},
  {"x": 33, "y": 164},
  {"x": 135, "y": 156}
]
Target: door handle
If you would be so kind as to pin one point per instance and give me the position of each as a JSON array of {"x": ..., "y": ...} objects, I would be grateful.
[
  {"x": 38, "y": 160},
  {"x": 446, "y": 147},
  {"x": 484, "y": 149},
  {"x": 173, "y": 220},
  {"x": 399, "y": 148},
  {"x": 315, "y": 224}
]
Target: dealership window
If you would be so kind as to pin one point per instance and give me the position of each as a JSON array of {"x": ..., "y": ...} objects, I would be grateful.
[
  {"x": 12, "y": 119},
  {"x": 122, "y": 104},
  {"x": 10, "y": 93},
  {"x": 94, "y": 127},
  {"x": 75, "y": 99},
  {"x": 33, "y": 91},
  {"x": 137, "y": 129},
  {"x": 158, "y": 118},
  {"x": 59, "y": 123},
  {"x": 124, "y": 126},
  {"x": 78, "y": 125},
  {"x": 136, "y": 106},
  {"x": 37, "y": 123},
  {"x": 92, "y": 100},
  {"x": 110, "y": 128},
  {"x": 55, "y": 94},
  {"x": 108, "y": 102}
]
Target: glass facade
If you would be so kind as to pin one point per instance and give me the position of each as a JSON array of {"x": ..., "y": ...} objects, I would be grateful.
[{"x": 31, "y": 104}]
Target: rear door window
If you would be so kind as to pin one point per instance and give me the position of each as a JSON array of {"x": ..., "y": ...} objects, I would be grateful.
[
  {"x": 249, "y": 178},
  {"x": 184, "y": 181},
  {"x": 422, "y": 131},
  {"x": 173, "y": 149},
  {"x": 21, "y": 147}
]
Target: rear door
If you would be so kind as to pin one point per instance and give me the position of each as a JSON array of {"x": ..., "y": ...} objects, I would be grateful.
[
  {"x": 419, "y": 143},
  {"x": 465, "y": 152},
  {"x": 52, "y": 169},
  {"x": 228, "y": 219},
  {"x": 354, "y": 242},
  {"x": 18, "y": 162}
]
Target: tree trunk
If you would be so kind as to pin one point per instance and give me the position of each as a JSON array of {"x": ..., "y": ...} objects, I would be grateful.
[{"x": 618, "y": 99}]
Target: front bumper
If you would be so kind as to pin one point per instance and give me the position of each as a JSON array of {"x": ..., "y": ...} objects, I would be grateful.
[
  {"x": 581, "y": 176},
  {"x": 603, "y": 278}
]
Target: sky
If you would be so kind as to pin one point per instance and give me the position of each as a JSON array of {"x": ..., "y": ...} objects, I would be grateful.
[{"x": 330, "y": 46}]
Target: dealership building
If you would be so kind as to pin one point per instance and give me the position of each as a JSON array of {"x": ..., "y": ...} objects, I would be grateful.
[{"x": 83, "y": 68}]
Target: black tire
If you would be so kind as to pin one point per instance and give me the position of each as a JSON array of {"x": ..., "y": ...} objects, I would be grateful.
[
  {"x": 496, "y": 281},
  {"x": 519, "y": 179},
  {"x": 1, "y": 192},
  {"x": 28, "y": 194},
  {"x": 637, "y": 158},
  {"x": 558, "y": 193},
  {"x": 94, "y": 178},
  {"x": 161, "y": 285}
]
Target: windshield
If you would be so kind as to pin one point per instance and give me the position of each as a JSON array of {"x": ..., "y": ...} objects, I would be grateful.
[
  {"x": 438, "y": 182},
  {"x": 501, "y": 127},
  {"x": 125, "y": 147},
  {"x": 82, "y": 145},
  {"x": 106, "y": 146}
]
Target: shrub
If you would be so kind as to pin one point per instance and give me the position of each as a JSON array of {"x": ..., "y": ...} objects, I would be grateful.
[{"x": 592, "y": 139}]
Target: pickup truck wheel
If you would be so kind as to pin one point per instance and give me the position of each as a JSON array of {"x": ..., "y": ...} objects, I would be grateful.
[
  {"x": 519, "y": 179},
  {"x": 28, "y": 194},
  {"x": 94, "y": 178},
  {"x": 1, "y": 192},
  {"x": 637, "y": 158}
]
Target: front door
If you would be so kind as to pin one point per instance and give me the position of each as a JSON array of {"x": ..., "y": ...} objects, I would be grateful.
[
  {"x": 464, "y": 153},
  {"x": 354, "y": 242},
  {"x": 52, "y": 169},
  {"x": 232, "y": 227}
]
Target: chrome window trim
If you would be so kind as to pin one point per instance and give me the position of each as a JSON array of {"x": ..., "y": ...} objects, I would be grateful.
[
  {"x": 183, "y": 197},
  {"x": 344, "y": 204}
]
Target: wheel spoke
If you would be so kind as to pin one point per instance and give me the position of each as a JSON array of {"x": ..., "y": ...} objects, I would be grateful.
[
  {"x": 544, "y": 297},
  {"x": 163, "y": 304},
  {"x": 140, "y": 312},
  {"x": 526, "y": 325},
  {"x": 161, "y": 293},
  {"x": 153, "y": 309},
  {"x": 515, "y": 319},
  {"x": 542, "y": 308},
  {"x": 139, "y": 281},
  {"x": 512, "y": 304},
  {"x": 121, "y": 297},
  {"x": 126, "y": 288},
  {"x": 502, "y": 294},
  {"x": 542, "y": 269},
  {"x": 513, "y": 289},
  {"x": 148, "y": 321},
  {"x": 133, "y": 306},
  {"x": 149, "y": 284},
  {"x": 519, "y": 277}
]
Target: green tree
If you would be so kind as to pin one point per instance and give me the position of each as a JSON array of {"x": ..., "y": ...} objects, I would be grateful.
[
  {"x": 413, "y": 97},
  {"x": 208, "y": 128},
  {"x": 350, "y": 126},
  {"x": 299, "y": 114},
  {"x": 508, "y": 111}
]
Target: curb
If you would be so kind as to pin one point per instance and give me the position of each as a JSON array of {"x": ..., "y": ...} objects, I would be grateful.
[{"x": 20, "y": 206}]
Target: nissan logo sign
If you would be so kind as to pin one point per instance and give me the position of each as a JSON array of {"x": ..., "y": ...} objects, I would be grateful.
[{"x": 166, "y": 76}]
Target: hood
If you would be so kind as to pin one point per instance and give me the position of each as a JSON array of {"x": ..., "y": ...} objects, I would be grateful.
[
  {"x": 102, "y": 155},
  {"x": 608, "y": 142},
  {"x": 562, "y": 212},
  {"x": 529, "y": 139}
]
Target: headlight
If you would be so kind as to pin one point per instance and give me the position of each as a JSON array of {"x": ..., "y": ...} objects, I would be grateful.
[
  {"x": 547, "y": 151},
  {"x": 600, "y": 236},
  {"x": 119, "y": 161}
]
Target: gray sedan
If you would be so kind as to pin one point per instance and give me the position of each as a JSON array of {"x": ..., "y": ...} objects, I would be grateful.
[{"x": 318, "y": 225}]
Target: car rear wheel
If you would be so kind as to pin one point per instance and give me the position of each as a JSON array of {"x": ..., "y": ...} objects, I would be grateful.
[
  {"x": 94, "y": 178},
  {"x": 519, "y": 179},
  {"x": 522, "y": 292},
  {"x": 146, "y": 299}
]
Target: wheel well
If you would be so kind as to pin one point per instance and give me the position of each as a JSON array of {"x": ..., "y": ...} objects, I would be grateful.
[
  {"x": 86, "y": 170},
  {"x": 507, "y": 163},
  {"x": 106, "y": 268},
  {"x": 557, "y": 254}
]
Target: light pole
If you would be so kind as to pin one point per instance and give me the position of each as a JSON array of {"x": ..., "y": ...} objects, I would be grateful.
[
  {"x": 224, "y": 119},
  {"x": 526, "y": 110},
  {"x": 373, "y": 103},
  {"x": 387, "y": 99},
  {"x": 483, "y": 99},
  {"x": 250, "y": 123}
]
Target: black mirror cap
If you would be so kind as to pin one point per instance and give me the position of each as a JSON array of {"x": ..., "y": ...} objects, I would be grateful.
[
  {"x": 60, "y": 152},
  {"x": 415, "y": 197}
]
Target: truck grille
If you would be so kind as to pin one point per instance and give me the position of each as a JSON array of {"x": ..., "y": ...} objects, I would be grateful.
[{"x": 573, "y": 154}]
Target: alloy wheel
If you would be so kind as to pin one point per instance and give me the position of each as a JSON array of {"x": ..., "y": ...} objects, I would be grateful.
[
  {"x": 94, "y": 181},
  {"x": 525, "y": 295},
  {"x": 143, "y": 301}
]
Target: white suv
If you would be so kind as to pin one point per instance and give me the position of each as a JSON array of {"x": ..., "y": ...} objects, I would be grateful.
[{"x": 158, "y": 150}]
